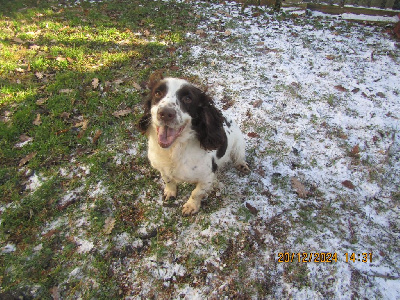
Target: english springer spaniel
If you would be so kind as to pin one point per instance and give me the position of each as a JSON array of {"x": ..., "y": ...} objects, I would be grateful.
[{"x": 189, "y": 138}]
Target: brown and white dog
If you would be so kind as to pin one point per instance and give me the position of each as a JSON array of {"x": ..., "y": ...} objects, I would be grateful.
[{"x": 189, "y": 138}]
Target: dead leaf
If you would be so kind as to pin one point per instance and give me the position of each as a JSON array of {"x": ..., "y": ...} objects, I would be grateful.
[
  {"x": 136, "y": 86},
  {"x": 37, "y": 121},
  {"x": 65, "y": 115},
  {"x": 50, "y": 233},
  {"x": 248, "y": 113},
  {"x": 118, "y": 82},
  {"x": 381, "y": 95},
  {"x": 273, "y": 50},
  {"x": 257, "y": 104},
  {"x": 96, "y": 136},
  {"x": 62, "y": 131},
  {"x": 122, "y": 113},
  {"x": 228, "y": 32},
  {"x": 355, "y": 151},
  {"x": 330, "y": 57},
  {"x": 69, "y": 201},
  {"x": 40, "y": 101},
  {"x": 260, "y": 171},
  {"x": 295, "y": 84},
  {"x": 228, "y": 102},
  {"x": 109, "y": 225},
  {"x": 107, "y": 86},
  {"x": 60, "y": 58},
  {"x": 24, "y": 138},
  {"x": 82, "y": 124},
  {"x": 252, "y": 135},
  {"x": 95, "y": 83},
  {"x": 18, "y": 40},
  {"x": 27, "y": 159},
  {"x": 19, "y": 70},
  {"x": 252, "y": 209},
  {"x": 70, "y": 60},
  {"x": 171, "y": 50},
  {"x": 39, "y": 75},
  {"x": 348, "y": 184},
  {"x": 340, "y": 88},
  {"x": 55, "y": 293},
  {"x": 146, "y": 33},
  {"x": 199, "y": 32},
  {"x": 299, "y": 188}
]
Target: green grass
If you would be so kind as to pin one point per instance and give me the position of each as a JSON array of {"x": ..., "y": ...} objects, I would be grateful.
[
  {"x": 49, "y": 57},
  {"x": 76, "y": 65}
]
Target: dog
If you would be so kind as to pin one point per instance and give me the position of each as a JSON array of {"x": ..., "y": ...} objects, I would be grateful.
[{"x": 188, "y": 138}]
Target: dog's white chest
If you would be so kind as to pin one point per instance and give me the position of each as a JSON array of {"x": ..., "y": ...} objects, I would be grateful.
[{"x": 184, "y": 162}]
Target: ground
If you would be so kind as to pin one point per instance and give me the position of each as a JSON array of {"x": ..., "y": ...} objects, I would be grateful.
[{"x": 317, "y": 99}]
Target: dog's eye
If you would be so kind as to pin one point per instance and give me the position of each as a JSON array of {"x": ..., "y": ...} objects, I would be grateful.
[
  {"x": 158, "y": 94},
  {"x": 187, "y": 99}
]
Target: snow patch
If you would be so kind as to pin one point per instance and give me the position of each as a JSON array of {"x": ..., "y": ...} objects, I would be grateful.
[
  {"x": 34, "y": 182},
  {"x": 98, "y": 190},
  {"x": 84, "y": 246},
  {"x": 9, "y": 248}
]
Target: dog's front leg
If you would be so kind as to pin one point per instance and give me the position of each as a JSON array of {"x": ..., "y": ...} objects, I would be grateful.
[
  {"x": 192, "y": 206},
  {"x": 170, "y": 187}
]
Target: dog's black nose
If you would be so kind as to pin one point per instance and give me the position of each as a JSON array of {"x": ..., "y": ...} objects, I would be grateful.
[{"x": 166, "y": 114}]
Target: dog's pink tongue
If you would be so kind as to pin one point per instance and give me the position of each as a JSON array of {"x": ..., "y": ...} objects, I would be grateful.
[{"x": 166, "y": 136}]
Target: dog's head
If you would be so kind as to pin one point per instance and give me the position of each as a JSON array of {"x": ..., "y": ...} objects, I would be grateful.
[{"x": 174, "y": 105}]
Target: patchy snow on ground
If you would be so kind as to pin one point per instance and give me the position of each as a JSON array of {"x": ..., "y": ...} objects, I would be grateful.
[
  {"x": 83, "y": 245},
  {"x": 318, "y": 100},
  {"x": 8, "y": 248},
  {"x": 97, "y": 190},
  {"x": 356, "y": 17}
]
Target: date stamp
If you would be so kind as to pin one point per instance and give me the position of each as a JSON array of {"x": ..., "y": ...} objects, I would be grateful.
[{"x": 323, "y": 257}]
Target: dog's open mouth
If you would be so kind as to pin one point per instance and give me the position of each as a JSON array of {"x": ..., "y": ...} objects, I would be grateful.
[{"x": 167, "y": 135}]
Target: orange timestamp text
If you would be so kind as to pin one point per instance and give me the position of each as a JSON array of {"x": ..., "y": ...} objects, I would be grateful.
[{"x": 323, "y": 257}]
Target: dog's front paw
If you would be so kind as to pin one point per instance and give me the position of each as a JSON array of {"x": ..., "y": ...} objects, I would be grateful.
[
  {"x": 169, "y": 194},
  {"x": 190, "y": 207}
]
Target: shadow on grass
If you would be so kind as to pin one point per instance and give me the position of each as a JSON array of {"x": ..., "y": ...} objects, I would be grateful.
[
  {"x": 52, "y": 56},
  {"x": 64, "y": 62}
]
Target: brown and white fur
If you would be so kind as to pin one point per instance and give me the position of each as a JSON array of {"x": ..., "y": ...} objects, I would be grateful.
[{"x": 189, "y": 138}]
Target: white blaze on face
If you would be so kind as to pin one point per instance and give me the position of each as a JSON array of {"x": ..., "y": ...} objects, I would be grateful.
[{"x": 168, "y": 132}]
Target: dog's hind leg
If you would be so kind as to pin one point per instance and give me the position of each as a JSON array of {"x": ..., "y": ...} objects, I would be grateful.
[{"x": 238, "y": 154}]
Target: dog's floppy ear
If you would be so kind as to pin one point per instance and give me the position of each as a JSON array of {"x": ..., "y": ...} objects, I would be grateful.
[
  {"x": 209, "y": 125},
  {"x": 145, "y": 120},
  {"x": 154, "y": 78}
]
